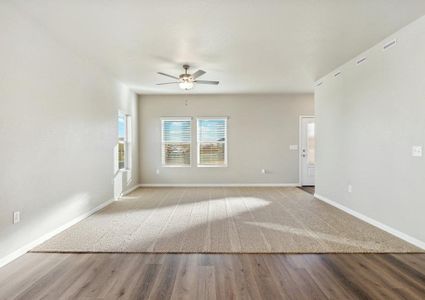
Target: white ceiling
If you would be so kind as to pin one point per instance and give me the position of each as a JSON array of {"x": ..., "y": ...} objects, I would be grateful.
[{"x": 251, "y": 46}]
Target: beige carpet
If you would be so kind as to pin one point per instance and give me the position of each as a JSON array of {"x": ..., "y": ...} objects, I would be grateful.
[{"x": 223, "y": 220}]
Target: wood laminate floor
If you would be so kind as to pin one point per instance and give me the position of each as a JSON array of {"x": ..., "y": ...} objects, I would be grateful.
[{"x": 214, "y": 276}]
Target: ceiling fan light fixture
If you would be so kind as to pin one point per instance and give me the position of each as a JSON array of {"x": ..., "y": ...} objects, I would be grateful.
[
  {"x": 186, "y": 85},
  {"x": 186, "y": 81}
]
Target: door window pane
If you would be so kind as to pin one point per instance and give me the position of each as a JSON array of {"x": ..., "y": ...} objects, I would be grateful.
[{"x": 311, "y": 144}]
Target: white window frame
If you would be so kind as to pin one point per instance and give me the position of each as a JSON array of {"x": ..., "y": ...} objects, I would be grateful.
[
  {"x": 225, "y": 165},
  {"x": 162, "y": 141},
  {"x": 126, "y": 142}
]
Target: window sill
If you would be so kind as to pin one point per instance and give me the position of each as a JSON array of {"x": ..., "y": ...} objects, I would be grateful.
[
  {"x": 212, "y": 166},
  {"x": 170, "y": 166}
]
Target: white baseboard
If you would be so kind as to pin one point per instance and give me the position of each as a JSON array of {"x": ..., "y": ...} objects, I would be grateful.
[
  {"x": 21, "y": 251},
  {"x": 373, "y": 222},
  {"x": 218, "y": 185},
  {"x": 130, "y": 190}
]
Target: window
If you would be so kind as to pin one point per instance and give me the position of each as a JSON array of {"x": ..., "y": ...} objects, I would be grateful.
[
  {"x": 124, "y": 140},
  {"x": 121, "y": 141},
  {"x": 176, "y": 142},
  {"x": 212, "y": 142}
]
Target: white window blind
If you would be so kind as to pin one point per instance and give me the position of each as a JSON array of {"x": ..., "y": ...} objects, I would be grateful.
[
  {"x": 212, "y": 142},
  {"x": 176, "y": 141}
]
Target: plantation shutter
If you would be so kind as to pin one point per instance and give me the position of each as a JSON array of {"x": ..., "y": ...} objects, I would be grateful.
[
  {"x": 176, "y": 141},
  {"x": 212, "y": 142}
]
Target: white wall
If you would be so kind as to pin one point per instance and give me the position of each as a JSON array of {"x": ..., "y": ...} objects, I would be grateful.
[
  {"x": 260, "y": 130},
  {"x": 58, "y": 130},
  {"x": 368, "y": 119}
]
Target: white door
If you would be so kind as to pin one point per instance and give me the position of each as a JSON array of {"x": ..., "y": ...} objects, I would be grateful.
[{"x": 307, "y": 150}]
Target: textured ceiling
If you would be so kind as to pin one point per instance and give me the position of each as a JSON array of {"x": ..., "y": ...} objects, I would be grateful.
[{"x": 251, "y": 46}]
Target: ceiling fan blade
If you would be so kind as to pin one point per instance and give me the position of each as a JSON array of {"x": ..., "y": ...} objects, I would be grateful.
[
  {"x": 198, "y": 73},
  {"x": 168, "y": 75},
  {"x": 167, "y": 83},
  {"x": 207, "y": 82}
]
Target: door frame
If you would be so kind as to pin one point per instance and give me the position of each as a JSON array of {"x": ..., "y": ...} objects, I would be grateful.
[{"x": 301, "y": 117}]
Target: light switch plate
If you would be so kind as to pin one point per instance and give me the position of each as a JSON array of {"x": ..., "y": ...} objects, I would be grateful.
[
  {"x": 293, "y": 147},
  {"x": 16, "y": 217},
  {"x": 417, "y": 151}
]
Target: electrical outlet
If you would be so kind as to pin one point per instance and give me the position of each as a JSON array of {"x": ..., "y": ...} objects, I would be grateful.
[
  {"x": 417, "y": 151},
  {"x": 157, "y": 171},
  {"x": 350, "y": 188},
  {"x": 263, "y": 171},
  {"x": 16, "y": 217}
]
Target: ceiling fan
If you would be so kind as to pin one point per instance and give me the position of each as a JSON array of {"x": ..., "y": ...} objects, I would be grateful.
[{"x": 186, "y": 81}]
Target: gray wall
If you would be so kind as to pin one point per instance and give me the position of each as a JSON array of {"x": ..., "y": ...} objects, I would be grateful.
[
  {"x": 260, "y": 130},
  {"x": 368, "y": 119},
  {"x": 58, "y": 131}
]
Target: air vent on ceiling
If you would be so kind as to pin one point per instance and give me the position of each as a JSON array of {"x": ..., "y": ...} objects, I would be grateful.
[
  {"x": 337, "y": 74},
  {"x": 390, "y": 44},
  {"x": 361, "y": 60}
]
